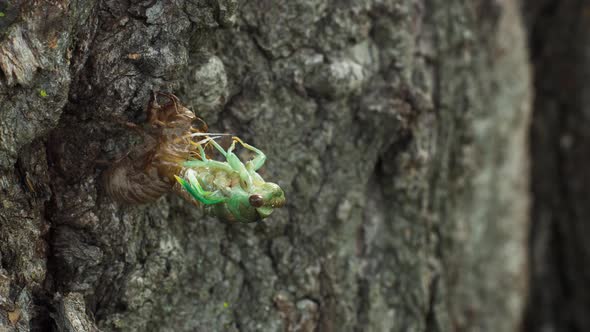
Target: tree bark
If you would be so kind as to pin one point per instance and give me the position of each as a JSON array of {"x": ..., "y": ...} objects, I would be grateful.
[{"x": 396, "y": 129}]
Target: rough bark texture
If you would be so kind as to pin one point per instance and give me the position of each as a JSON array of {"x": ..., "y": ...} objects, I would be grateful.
[
  {"x": 560, "y": 138},
  {"x": 396, "y": 129}
]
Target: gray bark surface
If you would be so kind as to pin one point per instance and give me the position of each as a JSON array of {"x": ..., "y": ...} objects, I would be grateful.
[{"x": 395, "y": 128}]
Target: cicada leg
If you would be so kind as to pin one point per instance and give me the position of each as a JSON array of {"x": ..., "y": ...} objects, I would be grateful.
[
  {"x": 172, "y": 98},
  {"x": 202, "y": 153},
  {"x": 204, "y": 162},
  {"x": 258, "y": 161},
  {"x": 234, "y": 162},
  {"x": 219, "y": 148},
  {"x": 203, "y": 129},
  {"x": 153, "y": 109}
]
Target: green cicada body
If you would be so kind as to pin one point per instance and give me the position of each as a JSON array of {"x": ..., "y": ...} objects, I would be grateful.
[{"x": 231, "y": 190}]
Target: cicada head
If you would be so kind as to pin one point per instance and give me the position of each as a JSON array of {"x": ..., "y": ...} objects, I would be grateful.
[
  {"x": 252, "y": 204},
  {"x": 238, "y": 203}
]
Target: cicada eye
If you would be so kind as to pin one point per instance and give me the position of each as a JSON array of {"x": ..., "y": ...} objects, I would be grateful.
[{"x": 256, "y": 200}]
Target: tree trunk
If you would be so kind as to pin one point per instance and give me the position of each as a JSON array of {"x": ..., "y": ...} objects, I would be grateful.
[
  {"x": 560, "y": 139},
  {"x": 396, "y": 129}
]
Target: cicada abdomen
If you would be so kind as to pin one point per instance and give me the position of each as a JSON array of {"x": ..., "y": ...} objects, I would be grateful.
[{"x": 125, "y": 183}]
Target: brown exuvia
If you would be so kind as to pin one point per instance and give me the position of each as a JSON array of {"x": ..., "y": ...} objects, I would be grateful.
[{"x": 147, "y": 171}]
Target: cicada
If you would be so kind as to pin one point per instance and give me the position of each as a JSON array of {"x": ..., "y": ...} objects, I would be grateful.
[
  {"x": 173, "y": 158},
  {"x": 230, "y": 189}
]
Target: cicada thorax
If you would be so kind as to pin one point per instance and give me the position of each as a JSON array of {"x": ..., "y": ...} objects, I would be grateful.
[
  {"x": 211, "y": 180},
  {"x": 147, "y": 172}
]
